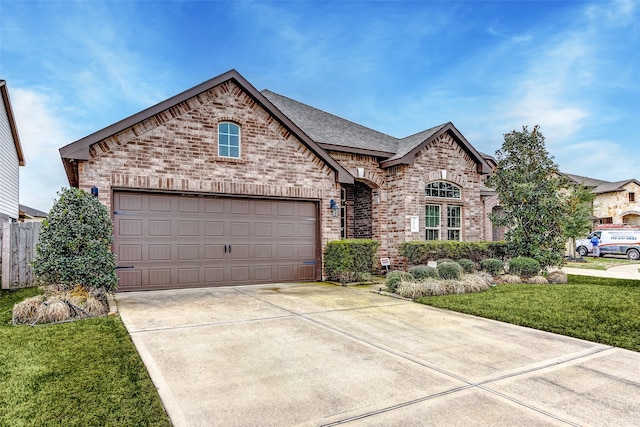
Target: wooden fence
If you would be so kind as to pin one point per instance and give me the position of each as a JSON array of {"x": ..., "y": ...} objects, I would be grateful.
[{"x": 18, "y": 244}]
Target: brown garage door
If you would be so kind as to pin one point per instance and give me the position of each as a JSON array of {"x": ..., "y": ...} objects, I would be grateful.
[{"x": 166, "y": 241}]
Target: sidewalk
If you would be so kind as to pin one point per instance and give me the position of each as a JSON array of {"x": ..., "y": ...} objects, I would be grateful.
[{"x": 629, "y": 271}]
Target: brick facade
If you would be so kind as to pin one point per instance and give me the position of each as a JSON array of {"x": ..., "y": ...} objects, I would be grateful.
[
  {"x": 174, "y": 149},
  {"x": 177, "y": 151}
]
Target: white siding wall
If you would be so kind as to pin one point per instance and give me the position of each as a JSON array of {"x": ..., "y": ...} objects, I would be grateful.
[{"x": 9, "y": 172}]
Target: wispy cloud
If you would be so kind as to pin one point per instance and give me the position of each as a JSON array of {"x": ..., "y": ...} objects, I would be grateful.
[{"x": 42, "y": 133}]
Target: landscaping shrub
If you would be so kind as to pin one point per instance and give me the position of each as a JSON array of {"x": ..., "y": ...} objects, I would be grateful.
[
  {"x": 421, "y": 272},
  {"x": 467, "y": 265},
  {"x": 350, "y": 260},
  {"x": 395, "y": 278},
  {"x": 74, "y": 247},
  {"x": 419, "y": 252},
  {"x": 492, "y": 266},
  {"x": 443, "y": 260},
  {"x": 435, "y": 287},
  {"x": 557, "y": 277},
  {"x": 537, "y": 280},
  {"x": 509, "y": 278},
  {"x": 450, "y": 270},
  {"x": 524, "y": 267}
]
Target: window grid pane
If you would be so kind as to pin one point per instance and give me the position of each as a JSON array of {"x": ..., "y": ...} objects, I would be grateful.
[
  {"x": 432, "y": 222},
  {"x": 454, "y": 222},
  {"x": 442, "y": 189},
  {"x": 228, "y": 140}
]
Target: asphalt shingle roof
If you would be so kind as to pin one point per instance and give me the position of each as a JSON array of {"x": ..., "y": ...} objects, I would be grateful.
[
  {"x": 326, "y": 128},
  {"x": 599, "y": 186}
]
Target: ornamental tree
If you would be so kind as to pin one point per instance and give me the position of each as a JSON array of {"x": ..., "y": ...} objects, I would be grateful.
[
  {"x": 74, "y": 246},
  {"x": 529, "y": 189},
  {"x": 579, "y": 215}
]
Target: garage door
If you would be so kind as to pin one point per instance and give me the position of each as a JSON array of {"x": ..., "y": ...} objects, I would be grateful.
[{"x": 166, "y": 241}]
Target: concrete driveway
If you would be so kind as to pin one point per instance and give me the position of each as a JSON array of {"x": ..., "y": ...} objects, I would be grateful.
[{"x": 312, "y": 354}]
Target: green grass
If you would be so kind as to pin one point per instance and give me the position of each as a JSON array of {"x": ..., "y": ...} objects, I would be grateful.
[
  {"x": 596, "y": 309},
  {"x": 83, "y": 373},
  {"x": 600, "y": 263}
]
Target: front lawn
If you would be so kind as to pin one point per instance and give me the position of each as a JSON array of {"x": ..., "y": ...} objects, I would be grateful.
[
  {"x": 83, "y": 373},
  {"x": 601, "y": 263},
  {"x": 596, "y": 309}
]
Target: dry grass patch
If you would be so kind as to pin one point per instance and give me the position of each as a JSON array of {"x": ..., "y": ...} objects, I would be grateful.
[
  {"x": 435, "y": 287},
  {"x": 557, "y": 277},
  {"x": 509, "y": 278},
  {"x": 536, "y": 280},
  {"x": 59, "y": 304}
]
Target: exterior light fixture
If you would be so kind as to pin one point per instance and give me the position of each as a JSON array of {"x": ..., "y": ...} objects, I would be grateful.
[
  {"x": 335, "y": 208},
  {"x": 94, "y": 191}
]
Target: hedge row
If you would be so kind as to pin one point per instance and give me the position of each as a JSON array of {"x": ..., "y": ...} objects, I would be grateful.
[
  {"x": 419, "y": 252},
  {"x": 350, "y": 260}
]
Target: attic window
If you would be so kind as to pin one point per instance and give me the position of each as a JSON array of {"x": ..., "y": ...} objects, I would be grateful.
[
  {"x": 442, "y": 189},
  {"x": 229, "y": 140},
  {"x": 632, "y": 197}
]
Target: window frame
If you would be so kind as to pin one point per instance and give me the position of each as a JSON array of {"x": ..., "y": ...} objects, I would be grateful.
[
  {"x": 433, "y": 228},
  {"x": 632, "y": 196},
  {"x": 442, "y": 189},
  {"x": 452, "y": 228},
  {"x": 229, "y": 136}
]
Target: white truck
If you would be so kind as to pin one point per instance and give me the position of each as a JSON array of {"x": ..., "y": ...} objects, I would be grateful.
[{"x": 613, "y": 241}]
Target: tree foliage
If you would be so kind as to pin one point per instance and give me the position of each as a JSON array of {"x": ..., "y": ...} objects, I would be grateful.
[
  {"x": 529, "y": 185},
  {"x": 579, "y": 214},
  {"x": 74, "y": 247}
]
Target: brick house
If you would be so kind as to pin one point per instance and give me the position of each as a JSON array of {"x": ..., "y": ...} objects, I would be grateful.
[{"x": 225, "y": 184}]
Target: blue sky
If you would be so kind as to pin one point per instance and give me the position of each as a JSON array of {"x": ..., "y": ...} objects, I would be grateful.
[{"x": 74, "y": 67}]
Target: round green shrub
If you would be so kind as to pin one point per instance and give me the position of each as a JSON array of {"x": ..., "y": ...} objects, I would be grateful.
[
  {"x": 421, "y": 272},
  {"x": 74, "y": 247},
  {"x": 467, "y": 265},
  {"x": 492, "y": 266},
  {"x": 524, "y": 267},
  {"x": 450, "y": 270},
  {"x": 395, "y": 278}
]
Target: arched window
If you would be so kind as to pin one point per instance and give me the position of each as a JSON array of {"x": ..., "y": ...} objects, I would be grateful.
[
  {"x": 228, "y": 140},
  {"x": 442, "y": 189}
]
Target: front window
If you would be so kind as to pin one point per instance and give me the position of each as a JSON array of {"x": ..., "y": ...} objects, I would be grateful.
[
  {"x": 432, "y": 222},
  {"x": 442, "y": 189},
  {"x": 229, "y": 140},
  {"x": 632, "y": 197},
  {"x": 454, "y": 222}
]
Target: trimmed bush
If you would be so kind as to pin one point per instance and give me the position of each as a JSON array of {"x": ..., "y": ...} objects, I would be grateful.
[
  {"x": 419, "y": 252},
  {"x": 421, "y": 272},
  {"x": 509, "y": 278},
  {"x": 467, "y": 265},
  {"x": 524, "y": 267},
  {"x": 537, "y": 280},
  {"x": 443, "y": 260},
  {"x": 557, "y": 277},
  {"x": 74, "y": 247},
  {"x": 492, "y": 266},
  {"x": 395, "y": 278},
  {"x": 450, "y": 270},
  {"x": 350, "y": 260}
]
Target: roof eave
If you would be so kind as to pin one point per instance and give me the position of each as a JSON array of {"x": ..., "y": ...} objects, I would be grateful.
[
  {"x": 12, "y": 122},
  {"x": 79, "y": 150}
]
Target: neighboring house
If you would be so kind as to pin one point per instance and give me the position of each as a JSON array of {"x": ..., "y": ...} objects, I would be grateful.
[
  {"x": 615, "y": 202},
  {"x": 225, "y": 184},
  {"x": 28, "y": 214},
  {"x": 11, "y": 158}
]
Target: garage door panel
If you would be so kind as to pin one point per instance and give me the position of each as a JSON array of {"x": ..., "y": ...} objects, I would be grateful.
[
  {"x": 188, "y": 228},
  {"x": 160, "y": 277},
  {"x": 214, "y": 252},
  {"x": 160, "y": 203},
  {"x": 159, "y": 252},
  {"x": 160, "y": 227},
  {"x": 172, "y": 241},
  {"x": 130, "y": 279},
  {"x": 214, "y": 228}
]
